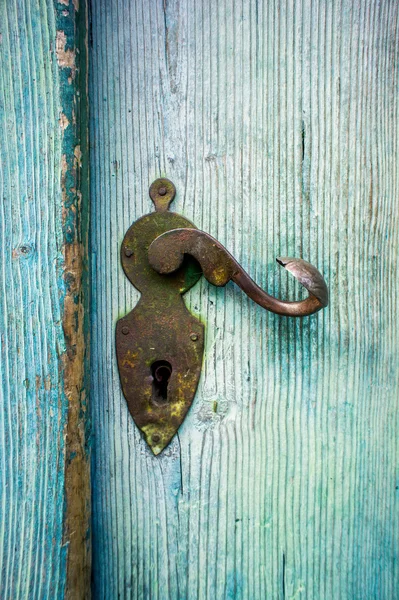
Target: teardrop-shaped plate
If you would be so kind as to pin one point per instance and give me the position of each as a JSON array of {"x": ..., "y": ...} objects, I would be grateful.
[{"x": 159, "y": 344}]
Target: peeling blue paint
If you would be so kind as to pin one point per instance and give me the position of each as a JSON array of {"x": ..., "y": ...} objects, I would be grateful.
[{"x": 35, "y": 150}]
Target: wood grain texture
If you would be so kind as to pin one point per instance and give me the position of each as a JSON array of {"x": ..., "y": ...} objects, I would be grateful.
[
  {"x": 44, "y": 467},
  {"x": 278, "y": 123}
]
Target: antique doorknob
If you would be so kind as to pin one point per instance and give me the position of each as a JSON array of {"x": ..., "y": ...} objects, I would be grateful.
[{"x": 160, "y": 343}]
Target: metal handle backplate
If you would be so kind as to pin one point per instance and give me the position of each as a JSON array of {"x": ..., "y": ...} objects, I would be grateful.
[{"x": 160, "y": 343}]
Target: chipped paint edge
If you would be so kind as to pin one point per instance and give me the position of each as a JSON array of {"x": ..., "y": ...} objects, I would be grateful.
[{"x": 71, "y": 50}]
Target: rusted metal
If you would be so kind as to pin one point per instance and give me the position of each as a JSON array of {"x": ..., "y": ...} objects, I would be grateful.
[
  {"x": 167, "y": 253},
  {"x": 159, "y": 344}
]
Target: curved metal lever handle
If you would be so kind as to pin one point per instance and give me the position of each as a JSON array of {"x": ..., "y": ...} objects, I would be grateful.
[{"x": 166, "y": 254}]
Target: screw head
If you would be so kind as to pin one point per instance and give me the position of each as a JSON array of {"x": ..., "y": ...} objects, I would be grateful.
[
  {"x": 156, "y": 438},
  {"x": 125, "y": 330},
  {"x": 128, "y": 252},
  {"x": 194, "y": 337},
  {"x": 162, "y": 191}
]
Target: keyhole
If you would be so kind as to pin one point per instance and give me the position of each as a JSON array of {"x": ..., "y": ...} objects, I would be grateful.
[{"x": 161, "y": 371}]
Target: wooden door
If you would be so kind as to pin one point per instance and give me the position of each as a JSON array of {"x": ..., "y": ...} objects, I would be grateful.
[{"x": 278, "y": 124}]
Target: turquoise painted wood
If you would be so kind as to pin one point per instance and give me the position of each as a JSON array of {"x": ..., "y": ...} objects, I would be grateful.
[
  {"x": 278, "y": 123},
  {"x": 43, "y": 474}
]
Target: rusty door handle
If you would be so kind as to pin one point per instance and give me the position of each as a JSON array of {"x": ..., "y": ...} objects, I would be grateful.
[
  {"x": 167, "y": 251},
  {"x": 160, "y": 344}
]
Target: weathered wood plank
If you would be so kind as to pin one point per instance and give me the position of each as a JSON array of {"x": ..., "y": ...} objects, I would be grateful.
[
  {"x": 278, "y": 123},
  {"x": 44, "y": 468}
]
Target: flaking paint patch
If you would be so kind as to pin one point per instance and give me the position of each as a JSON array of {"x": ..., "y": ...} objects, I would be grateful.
[
  {"x": 64, "y": 167},
  {"x": 65, "y": 56},
  {"x": 78, "y": 155},
  {"x": 63, "y": 121}
]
